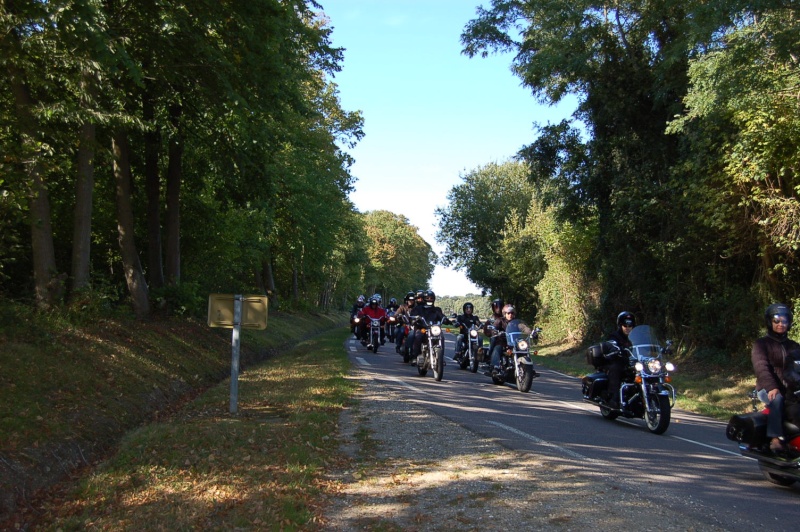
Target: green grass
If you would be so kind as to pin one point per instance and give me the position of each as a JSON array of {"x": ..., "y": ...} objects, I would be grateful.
[{"x": 204, "y": 468}]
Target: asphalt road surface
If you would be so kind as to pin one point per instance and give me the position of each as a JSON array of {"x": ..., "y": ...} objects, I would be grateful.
[{"x": 692, "y": 463}]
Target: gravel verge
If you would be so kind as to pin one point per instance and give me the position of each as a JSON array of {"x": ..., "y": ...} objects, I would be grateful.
[{"x": 413, "y": 470}]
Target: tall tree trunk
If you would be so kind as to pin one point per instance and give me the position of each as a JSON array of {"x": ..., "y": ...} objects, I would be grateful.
[
  {"x": 48, "y": 285},
  {"x": 82, "y": 223},
  {"x": 130, "y": 258},
  {"x": 152, "y": 141},
  {"x": 174, "y": 176}
]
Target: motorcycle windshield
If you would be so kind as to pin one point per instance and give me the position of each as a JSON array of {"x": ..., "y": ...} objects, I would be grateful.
[
  {"x": 645, "y": 343},
  {"x": 513, "y": 333}
]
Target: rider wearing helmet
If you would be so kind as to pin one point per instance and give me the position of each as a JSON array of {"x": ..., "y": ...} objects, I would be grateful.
[
  {"x": 373, "y": 311},
  {"x": 615, "y": 366},
  {"x": 775, "y": 358},
  {"x": 430, "y": 313},
  {"x": 402, "y": 315},
  {"x": 357, "y": 306},
  {"x": 464, "y": 322},
  {"x": 509, "y": 316}
]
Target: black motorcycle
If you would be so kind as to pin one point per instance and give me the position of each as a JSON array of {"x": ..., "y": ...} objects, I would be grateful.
[
  {"x": 750, "y": 432},
  {"x": 432, "y": 355},
  {"x": 645, "y": 392},
  {"x": 470, "y": 352},
  {"x": 516, "y": 364}
]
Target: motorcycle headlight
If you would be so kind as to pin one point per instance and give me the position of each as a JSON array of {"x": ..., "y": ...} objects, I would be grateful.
[
  {"x": 639, "y": 366},
  {"x": 670, "y": 366},
  {"x": 436, "y": 330},
  {"x": 522, "y": 345},
  {"x": 654, "y": 366},
  {"x": 473, "y": 333}
]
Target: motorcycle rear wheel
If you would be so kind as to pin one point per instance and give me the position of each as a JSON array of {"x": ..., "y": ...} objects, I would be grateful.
[
  {"x": 525, "y": 378},
  {"x": 608, "y": 413},
  {"x": 463, "y": 362},
  {"x": 657, "y": 422},
  {"x": 776, "y": 479},
  {"x": 438, "y": 363}
]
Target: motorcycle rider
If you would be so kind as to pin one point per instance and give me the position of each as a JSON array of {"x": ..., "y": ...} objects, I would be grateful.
[
  {"x": 616, "y": 365},
  {"x": 391, "y": 310},
  {"x": 773, "y": 357},
  {"x": 373, "y": 311},
  {"x": 464, "y": 322},
  {"x": 402, "y": 314},
  {"x": 357, "y": 306},
  {"x": 432, "y": 314},
  {"x": 509, "y": 320},
  {"x": 495, "y": 321}
]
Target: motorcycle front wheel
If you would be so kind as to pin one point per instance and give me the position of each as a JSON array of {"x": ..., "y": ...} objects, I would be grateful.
[
  {"x": 524, "y": 378},
  {"x": 438, "y": 363},
  {"x": 657, "y": 422},
  {"x": 473, "y": 363},
  {"x": 376, "y": 338}
]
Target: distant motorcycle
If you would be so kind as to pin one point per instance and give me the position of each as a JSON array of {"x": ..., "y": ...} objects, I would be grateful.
[
  {"x": 645, "y": 392},
  {"x": 391, "y": 326},
  {"x": 516, "y": 364},
  {"x": 750, "y": 431},
  {"x": 432, "y": 355}
]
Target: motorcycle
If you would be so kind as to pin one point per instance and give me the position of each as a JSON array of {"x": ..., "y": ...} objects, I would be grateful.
[
  {"x": 750, "y": 432},
  {"x": 373, "y": 336},
  {"x": 471, "y": 352},
  {"x": 391, "y": 326},
  {"x": 646, "y": 392},
  {"x": 515, "y": 358},
  {"x": 432, "y": 355}
]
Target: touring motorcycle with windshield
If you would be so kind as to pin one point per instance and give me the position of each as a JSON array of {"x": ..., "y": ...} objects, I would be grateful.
[
  {"x": 646, "y": 392},
  {"x": 516, "y": 364}
]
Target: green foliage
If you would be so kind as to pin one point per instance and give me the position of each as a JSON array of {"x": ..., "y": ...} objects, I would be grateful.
[
  {"x": 674, "y": 192},
  {"x": 399, "y": 258}
]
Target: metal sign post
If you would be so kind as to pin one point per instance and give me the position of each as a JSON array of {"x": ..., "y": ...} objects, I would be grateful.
[
  {"x": 236, "y": 312},
  {"x": 237, "y": 325}
]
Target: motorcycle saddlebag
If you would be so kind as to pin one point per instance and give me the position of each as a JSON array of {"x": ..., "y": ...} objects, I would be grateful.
[
  {"x": 750, "y": 429},
  {"x": 594, "y": 384}
]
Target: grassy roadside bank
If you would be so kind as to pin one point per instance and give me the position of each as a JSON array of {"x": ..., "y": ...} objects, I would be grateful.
[{"x": 71, "y": 387}]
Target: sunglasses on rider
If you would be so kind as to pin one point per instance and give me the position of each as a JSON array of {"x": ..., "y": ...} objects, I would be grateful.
[{"x": 780, "y": 320}]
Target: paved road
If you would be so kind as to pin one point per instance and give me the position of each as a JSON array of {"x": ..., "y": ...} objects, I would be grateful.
[{"x": 692, "y": 463}]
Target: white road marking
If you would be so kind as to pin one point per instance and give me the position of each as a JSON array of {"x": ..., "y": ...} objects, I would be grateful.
[
  {"x": 362, "y": 361},
  {"x": 540, "y": 441},
  {"x": 710, "y": 447}
]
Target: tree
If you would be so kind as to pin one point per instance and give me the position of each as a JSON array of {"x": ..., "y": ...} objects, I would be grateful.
[
  {"x": 399, "y": 258},
  {"x": 491, "y": 200}
]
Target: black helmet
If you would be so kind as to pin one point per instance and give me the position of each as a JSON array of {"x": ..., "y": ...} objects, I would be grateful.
[
  {"x": 420, "y": 294},
  {"x": 497, "y": 305},
  {"x": 626, "y": 318},
  {"x": 467, "y": 306},
  {"x": 430, "y": 298},
  {"x": 777, "y": 311},
  {"x": 393, "y": 301},
  {"x": 373, "y": 302}
]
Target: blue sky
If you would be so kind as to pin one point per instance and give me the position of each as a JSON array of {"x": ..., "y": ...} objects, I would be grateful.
[{"x": 430, "y": 113}]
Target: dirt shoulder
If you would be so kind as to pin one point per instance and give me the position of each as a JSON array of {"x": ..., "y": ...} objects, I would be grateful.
[{"x": 414, "y": 470}]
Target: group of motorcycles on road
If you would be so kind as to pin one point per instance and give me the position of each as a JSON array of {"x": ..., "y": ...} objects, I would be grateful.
[{"x": 645, "y": 392}]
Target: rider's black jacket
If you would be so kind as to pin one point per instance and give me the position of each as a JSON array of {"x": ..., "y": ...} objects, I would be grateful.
[
  {"x": 431, "y": 314},
  {"x": 465, "y": 321}
]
